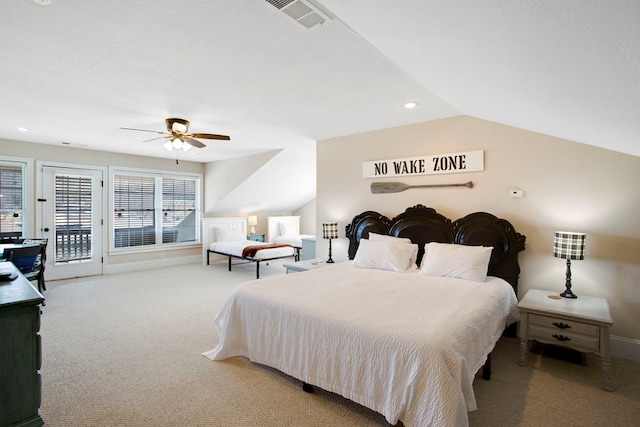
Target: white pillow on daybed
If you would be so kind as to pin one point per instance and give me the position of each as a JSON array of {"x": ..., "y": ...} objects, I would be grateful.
[
  {"x": 461, "y": 261},
  {"x": 384, "y": 255},
  {"x": 229, "y": 234},
  {"x": 287, "y": 229}
]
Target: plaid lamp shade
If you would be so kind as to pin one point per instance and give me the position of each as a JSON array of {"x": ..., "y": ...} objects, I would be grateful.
[
  {"x": 330, "y": 230},
  {"x": 568, "y": 245}
]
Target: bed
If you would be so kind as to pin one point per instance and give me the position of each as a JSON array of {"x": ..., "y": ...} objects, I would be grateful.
[
  {"x": 286, "y": 230},
  {"x": 405, "y": 343},
  {"x": 227, "y": 238}
]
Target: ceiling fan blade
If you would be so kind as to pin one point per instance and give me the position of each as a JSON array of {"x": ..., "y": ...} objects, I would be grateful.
[
  {"x": 159, "y": 137},
  {"x": 210, "y": 136},
  {"x": 193, "y": 142},
  {"x": 145, "y": 130}
]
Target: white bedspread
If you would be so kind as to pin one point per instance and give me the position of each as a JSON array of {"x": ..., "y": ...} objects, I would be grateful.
[
  {"x": 292, "y": 240},
  {"x": 235, "y": 248},
  {"x": 403, "y": 344}
]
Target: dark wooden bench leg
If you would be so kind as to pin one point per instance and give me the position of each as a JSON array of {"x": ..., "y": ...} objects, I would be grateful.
[
  {"x": 258, "y": 270},
  {"x": 229, "y": 263}
]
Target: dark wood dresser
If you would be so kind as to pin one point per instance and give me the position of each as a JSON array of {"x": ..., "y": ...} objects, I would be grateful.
[{"x": 20, "y": 352}]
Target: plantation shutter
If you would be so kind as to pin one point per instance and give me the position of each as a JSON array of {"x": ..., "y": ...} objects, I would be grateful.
[
  {"x": 11, "y": 200},
  {"x": 178, "y": 210},
  {"x": 73, "y": 215},
  {"x": 134, "y": 211}
]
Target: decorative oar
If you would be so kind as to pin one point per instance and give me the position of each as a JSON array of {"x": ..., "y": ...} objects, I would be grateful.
[{"x": 396, "y": 187}]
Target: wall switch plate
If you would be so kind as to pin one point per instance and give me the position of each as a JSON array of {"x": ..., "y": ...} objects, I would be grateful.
[{"x": 515, "y": 193}]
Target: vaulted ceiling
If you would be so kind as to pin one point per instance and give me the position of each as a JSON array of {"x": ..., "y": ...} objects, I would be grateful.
[{"x": 75, "y": 71}]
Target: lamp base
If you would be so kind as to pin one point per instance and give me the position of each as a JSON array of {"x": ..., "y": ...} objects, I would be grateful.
[
  {"x": 567, "y": 284},
  {"x": 568, "y": 294}
]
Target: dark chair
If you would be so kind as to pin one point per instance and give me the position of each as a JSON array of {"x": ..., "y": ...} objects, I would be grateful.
[
  {"x": 43, "y": 241},
  {"x": 30, "y": 260}
]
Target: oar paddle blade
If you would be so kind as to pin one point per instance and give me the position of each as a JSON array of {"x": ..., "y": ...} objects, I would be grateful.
[{"x": 387, "y": 187}]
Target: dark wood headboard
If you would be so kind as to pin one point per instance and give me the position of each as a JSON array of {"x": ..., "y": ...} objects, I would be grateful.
[{"x": 423, "y": 225}]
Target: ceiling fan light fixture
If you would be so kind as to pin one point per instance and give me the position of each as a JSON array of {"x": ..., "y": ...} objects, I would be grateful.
[
  {"x": 180, "y": 126},
  {"x": 176, "y": 143},
  {"x": 168, "y": 146},
  {"x": 186, "y": 146}
]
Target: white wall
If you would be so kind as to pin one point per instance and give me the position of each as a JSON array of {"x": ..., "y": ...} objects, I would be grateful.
[
  {"x": 566, "y": 185},
  {"x": 307, "y": 214}
]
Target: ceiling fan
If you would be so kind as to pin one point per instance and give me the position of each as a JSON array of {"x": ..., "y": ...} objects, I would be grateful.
[{"x": 178, "y": 136}]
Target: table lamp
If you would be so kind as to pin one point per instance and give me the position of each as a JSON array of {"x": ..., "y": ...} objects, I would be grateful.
[
  {"x": 568, "y": 245},
  {"x": 330, "y": 231},
  {"x": 252, "y": 220}
]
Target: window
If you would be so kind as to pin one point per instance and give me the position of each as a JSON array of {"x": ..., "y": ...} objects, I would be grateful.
[
  {"x": 151, "y": 210},
  {"x": 73, "y": 211},
  {"x": 12, "y": 199}
]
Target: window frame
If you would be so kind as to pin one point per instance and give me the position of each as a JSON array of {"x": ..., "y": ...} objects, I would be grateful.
[
  {"x": 28, "y": 200},
  {"x": 158, "y": 176}
]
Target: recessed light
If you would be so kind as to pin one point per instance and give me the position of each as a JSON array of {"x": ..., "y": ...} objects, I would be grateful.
[
  {"x": 42, "y": 2},
  {"x": 21, "y": 129},
  {"x": 411, "y": 104}
]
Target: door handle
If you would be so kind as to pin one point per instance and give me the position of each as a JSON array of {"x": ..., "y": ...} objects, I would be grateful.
[{"x": 46, "y": 229}]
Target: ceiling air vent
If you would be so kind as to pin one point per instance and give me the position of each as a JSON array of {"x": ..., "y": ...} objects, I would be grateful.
[{"x": 303, "y": 12}]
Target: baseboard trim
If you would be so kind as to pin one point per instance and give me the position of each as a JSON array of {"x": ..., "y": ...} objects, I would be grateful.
[
  {"x": 625, "y": 348},
  {"x": 146, "y": 265}
]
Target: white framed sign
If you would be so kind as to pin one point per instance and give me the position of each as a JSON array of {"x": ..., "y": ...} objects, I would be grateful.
[{"x": 468, "y": 161}]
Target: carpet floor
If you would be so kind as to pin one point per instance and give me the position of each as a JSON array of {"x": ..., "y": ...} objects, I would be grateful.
[{"x": 125, "y": 350}]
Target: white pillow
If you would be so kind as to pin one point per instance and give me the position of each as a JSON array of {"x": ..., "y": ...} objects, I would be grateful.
[
  {"x": 385, "y": 256},
  {"x": 286, "y": 229},
  {"x": 461, "y": 261},
  {"x": 229, "y": 234},
  {"x": 393, "y": 240}
]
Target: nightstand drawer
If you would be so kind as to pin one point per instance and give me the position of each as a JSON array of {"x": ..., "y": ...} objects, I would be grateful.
[
  {"x": 564, "y": 326},
  {"x": 560, "y": 337}
]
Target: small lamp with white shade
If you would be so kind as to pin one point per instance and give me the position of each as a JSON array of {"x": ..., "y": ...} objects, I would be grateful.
[{"x": 252, "y": 220}]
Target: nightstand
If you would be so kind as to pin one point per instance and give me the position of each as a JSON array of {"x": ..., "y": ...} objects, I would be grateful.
[
  {"x": 256, "y": 237},
  {"x": 307, "y": 265},
  {"x": 581, "y": 324}
]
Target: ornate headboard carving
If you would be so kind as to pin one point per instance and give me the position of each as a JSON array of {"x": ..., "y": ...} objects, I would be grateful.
[{"x": 423, "y": 225}]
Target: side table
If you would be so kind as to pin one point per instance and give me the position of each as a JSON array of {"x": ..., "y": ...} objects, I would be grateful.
[{"x": 581, "y": 324}]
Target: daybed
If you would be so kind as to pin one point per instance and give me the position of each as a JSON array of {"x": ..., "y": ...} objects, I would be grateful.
[
  {"x": 286, "y": 230},
  {"x": 402, "y": 336},
  {"x": 227, "y": 237}
]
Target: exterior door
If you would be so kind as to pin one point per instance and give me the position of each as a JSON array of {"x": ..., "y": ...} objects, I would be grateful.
[{"x": 71, "y": 207}]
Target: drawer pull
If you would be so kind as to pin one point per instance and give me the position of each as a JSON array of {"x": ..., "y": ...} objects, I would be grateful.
[
  {"x": 561, "y": 325},
  {"x": 561, "y": 337}
]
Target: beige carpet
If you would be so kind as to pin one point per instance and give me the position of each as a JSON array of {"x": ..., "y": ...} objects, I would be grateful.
[{"x": 125, "y": 350}]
